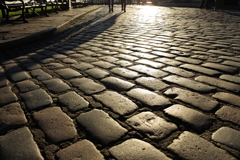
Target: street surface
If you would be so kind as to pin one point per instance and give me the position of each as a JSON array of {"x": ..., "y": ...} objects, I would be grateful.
[{"x": 152, "y": 83}]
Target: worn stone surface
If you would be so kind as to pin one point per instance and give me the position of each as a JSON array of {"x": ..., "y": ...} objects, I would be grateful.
[
  {"x": 40, "y": 74},
  {"x": 193, "y": 118},
  {"x": 192, "y": 98},
  {"x": 228, "y": 113},
  {"x": 25, "y": 86},
  {"x": 179, "y": 71},
  {"x": 126, "y": 73},
  {"x": 227, "y": 97},
  {"x": 19, "y": 76},
  {"x": 149, "y": 98},
  {"x": 7, "y": 96},
  {"x": 117, "y": 83},
  {"x": 116, "y": 102},
  {"x": 88, "y": 86},
  {"x": 149, "y": 71},
  {"x": 193, "y": 85},
  {"x": 135, "y": 48},
  {"x": 56, "y": 85},
  {"x": 188, "y": 60},
  {"x": 19, "y": 144},
  {"x": 57, "y": 125},
  {"x": 12, "y": 67},
  {"x": 3, "y": 81},
  {"x": 233, "y": 79},
  {"x": 101, "y": 126},
  {"x": 36, "y": 99},
  {"x": 200, "y": 69},
  {"x": 151, "y": 125},
  {"x": 227, "y": 136},
  {"x": 169, "y": 61},
  {"x": 11, "y": 116},
  {"x": 84, "y": 149},
  {"x": 82, "y": 66},
  {"x": 150, "y": 63},
  {"x": 193, "y": 147},
  {"x": 219, "y": 83},
  {"x": 220, "y": 67},
  {"x": 68, "y": 73},
  {"x": 133, "y": 149},
  {"x": 103, "y": 64},
  {"x": 152, "y": 83},
  {"x": 97, "y": 73},
  {"x": 73, "y": 101}
]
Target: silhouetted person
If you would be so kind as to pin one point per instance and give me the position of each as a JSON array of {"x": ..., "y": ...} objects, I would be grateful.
[
  {"x": 110, "y": 4},
  {"x": 207, "y": 5},
  {"x": 124, "y": 3}
]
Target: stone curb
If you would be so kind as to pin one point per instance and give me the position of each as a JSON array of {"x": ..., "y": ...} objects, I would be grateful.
[{"x": 42, "y": 34}]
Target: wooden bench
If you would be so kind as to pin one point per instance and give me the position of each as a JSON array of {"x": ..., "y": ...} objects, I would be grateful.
[
  {"x": 26, "y": 5},
  {"x": 79, "y": 3}
]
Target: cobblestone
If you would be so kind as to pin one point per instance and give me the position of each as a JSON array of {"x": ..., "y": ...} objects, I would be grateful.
[
  {"x": 68, "y": 73},
  {"x": 149, "y": 98},
  {"x": 193, "y": 118},
  {"x": 151, "y": 125},
  {"x": 152, "y": 83},
  {"x": 11, "y": 116},
  {"x": 125, "y": 73},
  {"x": 40, "y": 74},
  {"x": 88, "y": 86},
  {"x": 3, "y": 81},
  {"x": 103, "y": 64},
  {"x": 150, "y": 63},
  {"x": 101, "y": 126},
  {"x": 220, "y": 67},
  {"x": 84, "y": 149},
  {"x": 191, "y": 84},
  {"x": 188, "y": 60},
  {"x": 116, "y": 102},
  {"x": 193, "y": 147},
  {"x": 120, "y": 101},
  {"x": 230, "y": 78},
  {"x": 227, "y": 136},
  {"x": 97, "y": 73},
  {"x": 200, "y": 69},
  {"x": 36, "y": 99},
  {"x": 149, "y": 71},
  {"x": 179, "y": 71},
  {"x": 192, "y": 98},
  {"x": 227, "y": 97},
  {"x": 19, "y": 76},
  {"x": 56, "y": 85},
  {"x": 82, "y": 66},
  {"x": 73, "y": 101},
  {"x": 169, "y": 61},
  {"x": 117, "y": 84},
  {"x": 21, "y": 143},
  {"x": 228, "y": 113},
  {"x": 136, "y": 149},
  {"x": 219, "y": 83},
  {"x": 25, "y": 86},
  {"x": 57, "y": 125},
  {"x": 7, "y": 96}
]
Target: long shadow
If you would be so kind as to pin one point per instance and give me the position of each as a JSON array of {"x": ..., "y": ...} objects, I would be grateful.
[{"x": 49, "y": 45}]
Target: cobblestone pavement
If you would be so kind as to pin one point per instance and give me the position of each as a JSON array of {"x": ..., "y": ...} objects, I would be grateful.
[{"x": 151, "y": 83}]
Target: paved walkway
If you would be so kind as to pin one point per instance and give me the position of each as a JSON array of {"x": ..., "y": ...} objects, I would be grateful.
[
  {"x": 17, "y": 33},
  {"x": 151, "y": 83}
]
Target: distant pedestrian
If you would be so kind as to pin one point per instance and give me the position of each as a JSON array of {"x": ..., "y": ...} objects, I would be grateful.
[
  {"x": 110, "y": 5},
  {"x": 207, "y": 4},
  {"x": 124, "y": 3}
]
